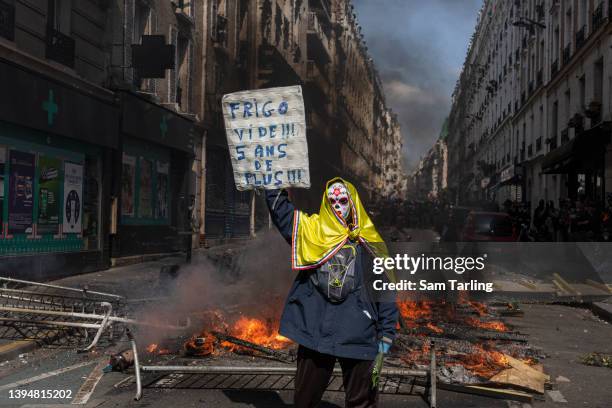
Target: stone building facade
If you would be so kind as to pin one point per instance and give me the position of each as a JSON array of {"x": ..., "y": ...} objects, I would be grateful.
[
  {"x": 95, "y": 156},
  {"x": 112, "y": 144},
  {"x": 429, "y": 181},
  {"x": 318, "y": 45},
  {"x": 532, "y": 108}
]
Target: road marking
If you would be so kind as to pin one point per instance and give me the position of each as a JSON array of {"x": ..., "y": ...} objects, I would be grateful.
[
  {"x": 45, "y": 375},
  {"x": 88, "y": 387}
]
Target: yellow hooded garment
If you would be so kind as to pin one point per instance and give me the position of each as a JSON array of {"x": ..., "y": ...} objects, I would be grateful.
[{"x": 317, "y": 237}]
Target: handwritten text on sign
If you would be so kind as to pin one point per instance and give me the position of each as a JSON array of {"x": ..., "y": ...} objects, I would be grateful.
[{"x": 266, "y": 135}]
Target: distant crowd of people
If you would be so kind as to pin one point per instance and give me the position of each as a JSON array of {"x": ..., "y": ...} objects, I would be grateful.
[
  {"x": 579, "y": 220},
  {"x": 570, "y": 220}
]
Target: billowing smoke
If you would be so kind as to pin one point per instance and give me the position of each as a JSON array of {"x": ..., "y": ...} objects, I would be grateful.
[
  {"x": 250, "y": 280},
  {"x": 419, "y": 48}
]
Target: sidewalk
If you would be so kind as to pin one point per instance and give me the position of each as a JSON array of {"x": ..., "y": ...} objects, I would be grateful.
[{"x": 131, "y": 281}]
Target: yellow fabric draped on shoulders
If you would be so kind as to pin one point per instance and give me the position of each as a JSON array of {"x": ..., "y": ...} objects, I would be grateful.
[{"x": 317, "y": 237}]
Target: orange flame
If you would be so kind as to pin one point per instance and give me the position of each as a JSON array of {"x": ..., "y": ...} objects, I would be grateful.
[
  {"x": 434, "y": 328},
  {"x": 492, "y": 325},
  {"x": 258, "y": 332},
  {"x": 485, "y": 363},
  {"x": 154, "y": 348}
]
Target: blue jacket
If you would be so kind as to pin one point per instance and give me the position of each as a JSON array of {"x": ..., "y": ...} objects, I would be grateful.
[{"x": 350, "y": 329}]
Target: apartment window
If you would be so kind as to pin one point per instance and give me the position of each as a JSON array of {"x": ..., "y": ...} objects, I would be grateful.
[
  {"x": 7, "y": 21},
  {"x": 582, "y": 14},
  {"x": 142, "y": 20},
  {"x": 582, "y": 90},
  {"x": 183, "y": 72},
  {"x": 185, "y": 6},
  {"x": 59, "y": 46},
  {"x": 142, "y": 26},
  {"x": 568, "y": 24},
  {"x": 554, "y": 120},
  {"x": 598, "y": 73},
  {"x": 58, "y": 15}
]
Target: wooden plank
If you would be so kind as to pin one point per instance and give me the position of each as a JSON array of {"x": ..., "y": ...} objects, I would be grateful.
[
  {"x": 569, "y": 288},
  {"x": 598, "y": 285},
  {"x": 521, "y": 375},
  {"x": 528, "y": 284},
  {"x": 487, "y": 392}
]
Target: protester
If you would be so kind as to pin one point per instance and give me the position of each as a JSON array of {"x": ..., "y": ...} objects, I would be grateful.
[{"x": 328, "y": 311}]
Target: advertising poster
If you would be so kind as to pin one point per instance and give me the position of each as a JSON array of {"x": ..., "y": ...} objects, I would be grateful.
[
  {"x": 73, "y": 197},
  {"x": 266, "y": 136},
  {"x": 145, "y": 205},
  {"x": 161, "y": 210},
  {"x": 48, "y": 193},
  {"x": 128, "y": 181},
  {"x": 21, "y": 194}
]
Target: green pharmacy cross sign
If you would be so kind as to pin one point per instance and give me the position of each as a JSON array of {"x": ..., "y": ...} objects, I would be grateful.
[{"x": 51, "y": 108}]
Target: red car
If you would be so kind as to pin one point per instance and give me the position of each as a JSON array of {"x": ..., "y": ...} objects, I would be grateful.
[{"x": 489, "y": 227}]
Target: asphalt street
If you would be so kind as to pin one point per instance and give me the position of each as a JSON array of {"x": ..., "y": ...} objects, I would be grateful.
[{"x": 62, "y": 376}]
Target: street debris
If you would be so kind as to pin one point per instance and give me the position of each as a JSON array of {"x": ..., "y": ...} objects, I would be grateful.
[
  {"x": 597, "y": 359},
  {"x": 120, "y": 361}
]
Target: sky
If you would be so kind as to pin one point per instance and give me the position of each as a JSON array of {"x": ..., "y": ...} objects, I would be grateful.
[{"x": 418, "y": 47}]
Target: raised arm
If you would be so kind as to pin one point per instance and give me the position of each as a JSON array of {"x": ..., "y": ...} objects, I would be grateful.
[{"x": 281, "y": 211}]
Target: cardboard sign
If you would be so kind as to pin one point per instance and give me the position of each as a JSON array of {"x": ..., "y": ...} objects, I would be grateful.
[{"x": 266, "y": 136}]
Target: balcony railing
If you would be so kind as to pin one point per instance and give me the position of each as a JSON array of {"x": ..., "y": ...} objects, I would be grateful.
[
  {"x": 318, "y": 37},
  {"x": 7, "y": 21},
  {"x": 597, "y": 18},
  {"x": 60, "y": 47},
  {"x": 580, "y": 37},
  {"x": 567, "y": 54}
]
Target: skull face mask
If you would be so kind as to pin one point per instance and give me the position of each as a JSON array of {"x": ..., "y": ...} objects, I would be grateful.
[{"x": 338, "y": 197}]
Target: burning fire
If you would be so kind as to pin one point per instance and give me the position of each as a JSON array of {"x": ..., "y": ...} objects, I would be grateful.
[
  {"x": 434, "y": 328},
  {"x": 480, "y": 308},
  {"x": 258, "y": 332},
  {"x": 154, "y": 348},
  {"x": 491, "y": 325},
  {"x": 412, "y": 311},
  {"x": 263, "y": 332},
  {"x": 483, "y": 362}
]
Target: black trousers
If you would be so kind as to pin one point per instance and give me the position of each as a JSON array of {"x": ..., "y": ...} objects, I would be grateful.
[{"x": 314, "y": 371}]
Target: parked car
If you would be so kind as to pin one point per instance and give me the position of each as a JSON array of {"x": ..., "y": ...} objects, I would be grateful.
[{"x": 489, "y": 226}]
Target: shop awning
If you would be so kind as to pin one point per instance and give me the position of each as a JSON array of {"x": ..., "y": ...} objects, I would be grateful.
[{"x": 580, "y": 153}]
